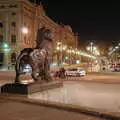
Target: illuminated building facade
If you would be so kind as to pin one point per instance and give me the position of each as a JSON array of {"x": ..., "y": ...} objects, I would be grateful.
[{"x": 19, "y": 21}]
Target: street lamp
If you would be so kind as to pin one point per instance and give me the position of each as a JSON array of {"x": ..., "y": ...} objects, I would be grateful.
[
  {"x": 6, "y": 49},
  {"x": 59, "y": 49},
  {"x": 93, "y": 51},
  {"x": 90, "y": 48},
  {"x": 24, "y": 30},
  {"x": 5, "y": 46}
]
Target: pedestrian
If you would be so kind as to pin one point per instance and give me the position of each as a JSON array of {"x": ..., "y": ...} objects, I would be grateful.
[{"x": 62, "y": 72}]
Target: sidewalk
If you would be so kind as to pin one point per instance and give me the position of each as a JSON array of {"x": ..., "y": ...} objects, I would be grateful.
[
  {"x": 28, "y": 109},
  {"x": 24, "y": 110}
]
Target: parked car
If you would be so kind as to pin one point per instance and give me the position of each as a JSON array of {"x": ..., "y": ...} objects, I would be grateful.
[
  {"x": 111, "y": 67},
  {"x": 114, "y": 67},
  {"x": 75, "y": 72}
]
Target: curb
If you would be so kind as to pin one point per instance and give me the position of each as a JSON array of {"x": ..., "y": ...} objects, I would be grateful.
[
  {"x": 104, "y": 73},
  {"x": 94, "y": 81},
  {"x": 68, "y": 107}
]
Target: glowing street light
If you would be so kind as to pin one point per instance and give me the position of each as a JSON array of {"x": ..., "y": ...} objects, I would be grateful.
[
  {"x": 64, "y": 47},
  {"x": 57, "y": 48},
  {"x": 24, "y": 30},
  {"x": 88, "y": 48},
  {"x": 116, "y": 47},
  {"x": 5, "y": 45},
  {"x": 94, "y": 48}
]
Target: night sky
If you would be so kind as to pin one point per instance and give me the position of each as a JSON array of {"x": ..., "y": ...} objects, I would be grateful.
[{"x": 97, "y": 22}]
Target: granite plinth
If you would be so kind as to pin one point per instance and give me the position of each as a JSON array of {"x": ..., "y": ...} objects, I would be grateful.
[{"x": 18, "y": 88}]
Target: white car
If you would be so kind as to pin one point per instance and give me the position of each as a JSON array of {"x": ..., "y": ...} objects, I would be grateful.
[{"x": 75, "y": 72}]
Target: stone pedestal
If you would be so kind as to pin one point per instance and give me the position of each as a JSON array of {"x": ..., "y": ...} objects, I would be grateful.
[{"x": 18, "y": 88}]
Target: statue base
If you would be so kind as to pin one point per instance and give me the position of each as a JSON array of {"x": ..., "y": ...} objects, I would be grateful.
[{"x": 18, "y": 88}]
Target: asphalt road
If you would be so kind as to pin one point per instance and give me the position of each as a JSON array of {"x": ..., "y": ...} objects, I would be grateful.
[
  {"x": 106, "y": 77},
  {"x": 98, "y": 77}
]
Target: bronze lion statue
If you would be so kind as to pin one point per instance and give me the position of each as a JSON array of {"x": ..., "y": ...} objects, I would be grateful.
[{"x": 39, "y": 58}]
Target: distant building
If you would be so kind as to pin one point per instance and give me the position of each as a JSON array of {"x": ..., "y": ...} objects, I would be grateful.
[{"x": 19, "y": 21}]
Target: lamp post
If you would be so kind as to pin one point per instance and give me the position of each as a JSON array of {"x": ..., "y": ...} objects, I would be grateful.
[
  {"x": 61, "y": 48},
  {"x": 90, "y": 48},
  {"x": 59, "y": 55},
  {"x": 70, "y": 58},
  {"x": 91, "y": 52},
  {"x": 6, "y": 50}
]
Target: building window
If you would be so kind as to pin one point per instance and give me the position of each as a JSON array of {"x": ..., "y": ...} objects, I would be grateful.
[
  {"x": 1, "y": 59},
  {"x": 13, "y": 39},
  {"x": 13, "y": 13},
  {"x": 1, "y": 25},
  {"x": 13, "y": 24},
  {"x": 1, "y": 39},
  {"x": 13, "y": 6},
  {"x": 13, "y": 58},
  {"x": 2, "y": 6}
]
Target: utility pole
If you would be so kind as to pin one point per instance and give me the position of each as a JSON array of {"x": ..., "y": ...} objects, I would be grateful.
[{"x": 91, "y": 48}]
